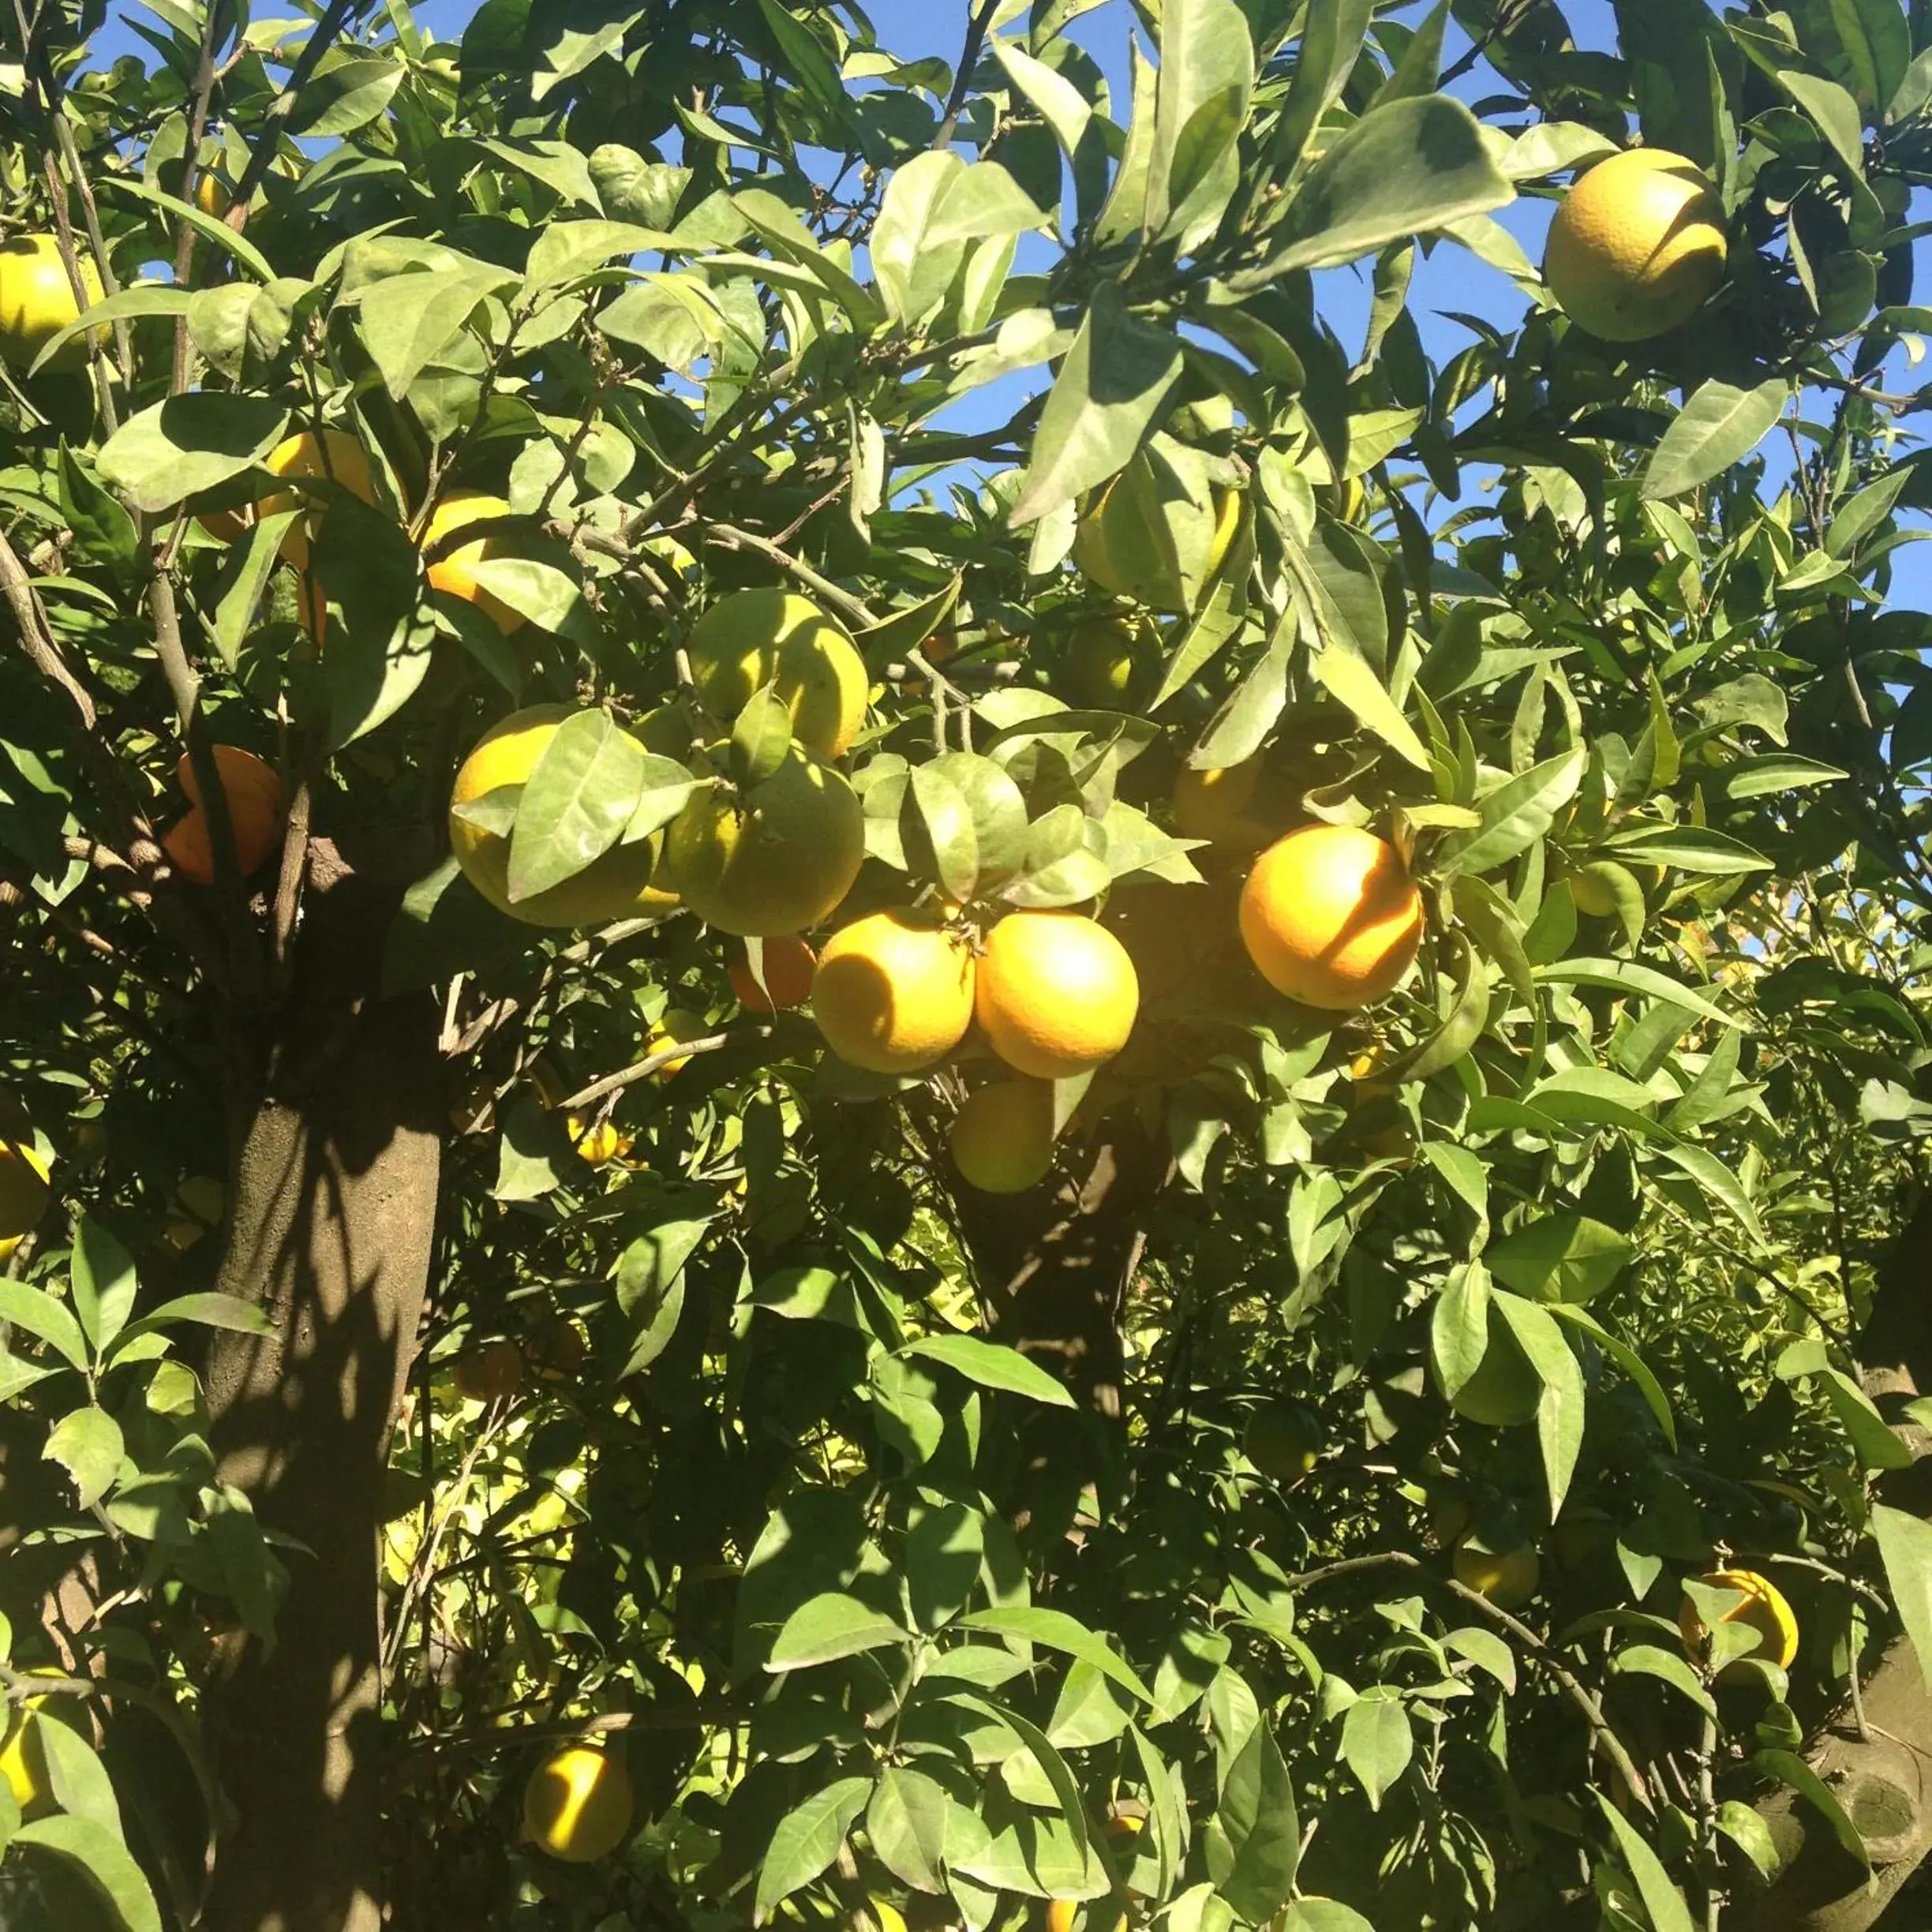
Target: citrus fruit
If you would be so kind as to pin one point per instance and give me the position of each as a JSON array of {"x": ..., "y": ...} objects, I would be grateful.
[
  {"x": 674, "y": 1027},
  {"x": 1128, "y": 538},
  {"x": 623, "y": 883},
  {"x": 253, "y": 792},
  {"x": 1057, "y": 994},
  {"x": 787, "y": 964},
  {"x": 559, "y": 1349},
  {"x": 493, "y": 1372},
  {"x": 886, "y": 1917},
  {"x": 1331, "y": 916},
  {"x": 23, "y": 1758},
  {"x": 37, "y": 300},
  {"x": 1637, "y": 246},
  {"x": 894, "y": 992},
  {"x": 1108, "y": 664},
  {"x": 756, "y": 638},
  {"x": 212, "y": 195},
  {"x": 1060, "y": 1913},
  {"x": 305, "y": 457},
  {"x": 1002, "y": 1137},
  {"x": 1592, "y": 895},
  {"x": 1507, "y": 1578},
  {"x": 598, "y": 1142},
  {"x": 1283, "y": 1440},
  {"x": 774, "y": 860},
  {"x": 455, "y": 571},
  {"x": 577, "y": 1806},
  {"x": 1763, "y": 1608},
  {"x": 1213, "y": 805},
  {"x": 1506, "y": 1390},
  {"x": 24, "y": 1192}
]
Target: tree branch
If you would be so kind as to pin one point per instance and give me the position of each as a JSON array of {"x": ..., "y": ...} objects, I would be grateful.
[
  {"x": 976, "y": 28},
  {"x": 261, "y": 156}
]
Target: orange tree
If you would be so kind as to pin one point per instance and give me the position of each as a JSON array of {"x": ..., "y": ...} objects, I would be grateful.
[{"x": 767, "y": 1159}]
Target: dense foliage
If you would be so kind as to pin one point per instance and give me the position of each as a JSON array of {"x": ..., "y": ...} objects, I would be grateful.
[{"x": 1154, "y": 1539}]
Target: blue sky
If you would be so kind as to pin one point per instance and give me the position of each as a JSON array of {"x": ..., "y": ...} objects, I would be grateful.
[{"x": 1450, "y": 279}]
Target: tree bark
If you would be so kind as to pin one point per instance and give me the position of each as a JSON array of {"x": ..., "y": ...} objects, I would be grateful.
[
  {"x": 1880, "y": 1773},
  {"x": 338, "y": 1110},
  {"x": 1053, "y": 1268}
]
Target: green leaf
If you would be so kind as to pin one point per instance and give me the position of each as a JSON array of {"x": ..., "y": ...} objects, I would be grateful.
[
  {"x": 101, "y": 1273},
  {"x": 906, "y": 1824},
  {"x": 139, "y": 298},
  {"x": 1377, "y": 1742},
  {"x": 1109, "y": 390},
  {"x": 1487, "y": 1651},
  {"x": 1876, "y": 1446},
  {"x": 1559, "y": 1257},
  {"x": 807, "y": 1840},
  {"x": 1308, "y": 1914},
  {"x": 1626, "y": 1358},
  {"x": 103, "y": 1861},
  {"x": 1331, "y": 44},
  {"x": 577, "y": 802},
  {"x": 563, "y": 251},
  {"x": 1407, "y": 167},
  {"x": 209, "y": 227},
  {"x": 1459, "y": 1032},
  {"x": 1776, "y": 771},
  {"x": 1689, "y": 849},
  {"x": 1718, "y": 428},
  {"x": 1833, "y": 112},
  {"x": 1350, "y": 680},
  {"x": 1626, "y": 976},
  {"x": 1650, "y": 1661},
  {"x": 1792, "y": 1770},
  {"x": 992, "y": 1365},
  {"x": 1718, "y": 1181},
  {"x": 251, "y": 565},
  {"x": 1517, "y": 813},
  {"x": 1751, "y": 1836},
  {"x": 349, "y": 89},
  {"x": 828, "y": 1626},
  {"x": 1560, "y": 1411},
  {"x": 1905, "y": 1543},
  {"x": 1206, "y": 70},
  {"x": 1059, "y": 1631},
  {"x": 1662, "y": 1901},
  {"x": 410, "y": 321},
  {"x": 189, "y": 443},
  {"x": 40, "y": 1315},
  {"x": 672, "y": 316},
  {"x": 1257, "y": 1816},
  {"x": 88, "y": 1445},
  {"x": 81, "y": 1785}
]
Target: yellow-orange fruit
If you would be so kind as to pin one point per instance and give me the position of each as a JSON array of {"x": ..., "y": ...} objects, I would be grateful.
[
  {"x": 493, "y": 1372},
  {"x": 1507, "y": 1578},
  {"x": 893, "y": 992},
  {"x": 24, "y": 1192},
  {"x": 1763, "y": 1609},
  {"x": 37, "y": 300},
  {"x": 1330, "y": 917},
  {"x": 1002, "y": 1137},
  {"x": 1638, "y": 245},
  {"x": 675, "y": 1027},
  {"x": 1057, "y": 994},
  {"x": 253, "y": 792},
  {"x": 578, "y": 1805},
  {"x": 787, "y": 964},
  {"x": 456, "y": 570},
  {"x": 1213, "y": 805},
  {"x": 334, "y": 455}
]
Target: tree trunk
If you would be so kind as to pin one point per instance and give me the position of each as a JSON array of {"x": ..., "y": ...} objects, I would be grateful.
[
  {"x": 1881, "y": 1774},
  {"x": 1053, "y": 1268},
  {"x": 338, "y": 1114}
]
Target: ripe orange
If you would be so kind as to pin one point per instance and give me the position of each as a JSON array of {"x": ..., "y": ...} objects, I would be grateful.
[
  {"x": 455, "y": 571},
  {"x": 674, "y": 1028},
  {"x": 1638, "y": 245},
  {"x": 1330, "y": 917},
  {"x": 894, "y": 992},
  {"x": 24, "y": 1192},
  {"x": 578, "y": 1805},
  {"x": 1507, "y": 1578},
  {"x": 1002, "y": 1138},
  {"x": 625, "y": 882},
  {"x": 598, "y": 1142},
  {"x": 37, "y": 300},
  {"x": 1057, "y": 994},
  {"x": 1763, "y": 1609},
  {"x": 493, "y": 1372},
  {"x": 254, "y": 795},
  {"x": 788, "y": 964},
  {"x": 334, "y": 455}
]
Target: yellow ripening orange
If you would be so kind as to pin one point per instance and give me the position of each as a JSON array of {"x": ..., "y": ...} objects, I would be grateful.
[
  {"x": 1330, "y": 917},
  {"x": 333, "y": 455},
  {"x": 578, "y": 1805},
  {"x": 787, "y": 964},
  {"x": 24, "y": 1192},
  {"x": 893, "y": 992},
  {"x": 1763, "y": 1608},
  {"x": 37, "y": 300},
  {"x": 455, "y": 571},
  {"x": 1057, "y": 993},
  {"x": 1638, "y": 245},
  {"x": 1507, "y": 1578},
  {"x": 1002, "y": 1137},
  {"x": 493, "y": 1372}
]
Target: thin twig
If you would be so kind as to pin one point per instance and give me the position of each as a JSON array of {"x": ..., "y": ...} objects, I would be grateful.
[
  {"x": 728, "y": 537},
  {"x": 616, "y": 1082},
  {"x": 962, "y": 79},
  {"x": 261, "y": 156}
]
